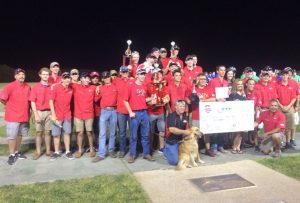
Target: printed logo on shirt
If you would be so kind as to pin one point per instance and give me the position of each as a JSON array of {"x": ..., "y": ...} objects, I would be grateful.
[{"x": 140, "y": 92}]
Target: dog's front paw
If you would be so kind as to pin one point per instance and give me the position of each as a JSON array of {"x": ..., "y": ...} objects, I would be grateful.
[{"x": 201, "y": 162}]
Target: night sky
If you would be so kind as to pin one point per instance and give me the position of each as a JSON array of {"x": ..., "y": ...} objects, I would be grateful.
[{"x": 93, "y": 36}]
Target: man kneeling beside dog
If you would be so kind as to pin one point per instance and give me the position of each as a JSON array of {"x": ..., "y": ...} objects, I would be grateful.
[{"x": 181, "y": 147}]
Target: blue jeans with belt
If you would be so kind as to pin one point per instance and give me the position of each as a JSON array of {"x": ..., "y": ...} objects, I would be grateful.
[
  {"x": 141, "y": 119},
  {"x": 107, "y": 116},
  {"x": 122, "y": 122}
]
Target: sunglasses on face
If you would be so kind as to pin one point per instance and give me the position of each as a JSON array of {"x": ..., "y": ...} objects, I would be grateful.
[
  {"x": 115, "y": 74},
  {"x": 74, "y": 74}
]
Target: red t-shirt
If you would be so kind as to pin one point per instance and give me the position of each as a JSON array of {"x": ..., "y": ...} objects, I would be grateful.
[
  {"x": 177, "y": 92},
  {"x": 133, "y": 68},
  {"x": 217, "y": 82},
  {"x": 61, "y": 97},
  {"x": 277, "y": 120},
  {"x": 40, "y": 95},
  {"x": 17, "y": 105},
  {"x": 108, "y": 95},
  {"x": 164, "y": 62},
  {"x": 84, "y": 98},
  {"x": 122, "y": 86},
  {"x": 136, "y": 96},
  {"x": 204, "y": 93},
  {"x": 53, "y": 80},
  {"x": 97, "y": 109},
  {"x": 286, "y": 93},
  {"x": 177, "y": 60},
  {"x": 267, "y": 93},
  {"x": 255, "y": 96},
  {"x": 152, "y": 89}
]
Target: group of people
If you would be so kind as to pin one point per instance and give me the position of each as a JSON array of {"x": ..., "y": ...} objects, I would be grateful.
[{"x": 158, "y": 97}]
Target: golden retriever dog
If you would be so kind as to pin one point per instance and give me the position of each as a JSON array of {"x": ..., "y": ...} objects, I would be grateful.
[{"x": 188, "y": 150}]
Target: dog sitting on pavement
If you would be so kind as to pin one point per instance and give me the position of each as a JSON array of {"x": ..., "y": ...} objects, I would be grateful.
[{"x": 188, "y": 155}]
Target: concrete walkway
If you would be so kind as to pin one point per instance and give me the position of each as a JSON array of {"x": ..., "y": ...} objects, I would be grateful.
[{"x": 159, "y": 179}]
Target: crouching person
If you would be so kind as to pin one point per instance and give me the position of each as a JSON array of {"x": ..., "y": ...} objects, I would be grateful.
[
  {"x": 274, "y": 124},
  {"x": 176, "y": 128}
]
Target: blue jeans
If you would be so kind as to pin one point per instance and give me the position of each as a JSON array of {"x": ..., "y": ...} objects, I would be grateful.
[
  {"x": 171, "y": 153},
  {"x": 122, "y": 122},
  {"x": 141, "y": 119},
  {"x": 105, "y": 117}
]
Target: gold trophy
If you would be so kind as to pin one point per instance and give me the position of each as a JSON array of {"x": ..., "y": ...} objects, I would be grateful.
[{"x": 127, "y": 52}]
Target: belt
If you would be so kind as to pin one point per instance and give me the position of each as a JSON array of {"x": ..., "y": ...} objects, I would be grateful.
[
  {"x": 110, "y": 108},
  {"x": 139, "y": 110},
  {"x": 45, "y": 110}
]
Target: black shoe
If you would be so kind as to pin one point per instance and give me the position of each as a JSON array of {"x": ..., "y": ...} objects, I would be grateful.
[
  {"x": 18, "y": 155},
  {"x": 11, "y": 159},
  {"x": 68, "y": 156},
  {"x": 288, "y": 145},
  {"x": 54, "y": 156},
  {"x": 256, "y": 149}
]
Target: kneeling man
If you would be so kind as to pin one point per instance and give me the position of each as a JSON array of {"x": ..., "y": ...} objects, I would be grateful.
[{"x": 274, "y": 124}]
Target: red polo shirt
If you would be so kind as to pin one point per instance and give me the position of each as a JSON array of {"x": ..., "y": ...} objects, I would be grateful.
[
  {"x": 84, "y": 98},
  {"x": 61, "y": 97},
  {"x": 16, "y": 96},
  {"x": 108, "y": 95},
  {"x": 164, "y": 62},
  {"x": 189, "y": 75},
  {"x": 136, "y": 96},
  {"x": 271, "y": 121},
  {"x": 217, "y": 82},
  {"x": 133, "y": 68},
  {"x": 177, "y": 92},
  {"x": 267, "y": 93},
  {"x": 204, "y": 93},
  {"x": 286, "y": 93},
  {"x": 255, "y": 96},
  {"x": 97, "y": 109},
  {"x": 53, "y": 80},
  {"x": 152, "y": 109},
  {"x": 122, "y": 85},
  {"x": 40, "y": 94}
]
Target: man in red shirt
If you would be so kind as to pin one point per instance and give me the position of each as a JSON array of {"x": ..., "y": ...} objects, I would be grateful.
[
  {"x": 135, "y": 100},
  {"x": 95, "y": 80},
  {"x": 177, "y": 90},
  {"x": 60, "y": 106},
  {"x": 174, "y": 56},
  {"x": 158, "y": 92},
  {"x": 274, "y": 123},
  {"x": 134, "y": 63},
  {"x": 213, "y": 84},
  {"x": 39, "y": 97},
  {"x": 287, "y": 96},
  {"x": 108, "y": 102},
  {"x": 15, "y": 97},
  {"x": 191, "y": 72},
  {"x": 163, "y": 57},
  {"x": 84, "y": 97},
  {"x": 195, "y": 61},
  {"x": 54, "y": 77},
  {"x": 122, "y": 113},
  {"x": 202, "y": 94},
  {"x": 267, "y": 90}
]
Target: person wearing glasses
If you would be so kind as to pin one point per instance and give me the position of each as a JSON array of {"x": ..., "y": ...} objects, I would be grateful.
[
  {"x": 74, "y": 76},
  {"x": 202, "y": 94},
  {"x": 135, "y": 101},
  {"x": 176, "y": 128}
]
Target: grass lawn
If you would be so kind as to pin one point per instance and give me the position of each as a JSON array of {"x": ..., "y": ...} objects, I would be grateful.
[
  {"x": 287, "y": 165},
  {"x": 109, "y": 188}
]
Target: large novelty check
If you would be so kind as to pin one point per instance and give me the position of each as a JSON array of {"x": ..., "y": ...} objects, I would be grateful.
[{"x": 229, "y": 116}]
